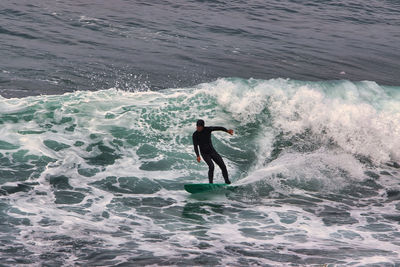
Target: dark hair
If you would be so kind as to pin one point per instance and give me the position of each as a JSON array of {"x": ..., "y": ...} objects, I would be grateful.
[{"x": 200, "y": 123}]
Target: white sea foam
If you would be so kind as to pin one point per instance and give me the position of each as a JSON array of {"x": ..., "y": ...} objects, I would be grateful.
[{"x": 302, "y": 140}]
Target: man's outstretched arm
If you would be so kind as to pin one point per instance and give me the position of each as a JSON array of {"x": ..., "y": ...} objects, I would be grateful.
[{"x": 219, "y": 128}]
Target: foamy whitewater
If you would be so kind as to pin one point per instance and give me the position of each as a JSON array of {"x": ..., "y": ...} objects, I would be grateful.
[{"x": 96, "y": 178}]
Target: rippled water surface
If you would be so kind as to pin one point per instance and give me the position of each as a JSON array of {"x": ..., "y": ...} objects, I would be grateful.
[{"x": 50, "y": 47}]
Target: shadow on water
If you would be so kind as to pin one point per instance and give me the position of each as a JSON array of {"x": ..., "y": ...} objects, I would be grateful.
[{"x": 198, "y": 211}]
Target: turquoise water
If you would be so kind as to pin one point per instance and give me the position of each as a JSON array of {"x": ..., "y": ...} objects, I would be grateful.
[
  {"x": 96, "y": 178},
  {"x": 98, "y": 101}
]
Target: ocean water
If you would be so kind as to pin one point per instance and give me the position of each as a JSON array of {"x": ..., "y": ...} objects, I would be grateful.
[
  {"x": 99, "y": 101},
  {"x": 51, "y": 47}
]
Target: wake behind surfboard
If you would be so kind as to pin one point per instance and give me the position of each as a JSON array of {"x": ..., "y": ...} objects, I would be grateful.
[{"x": 199, "y": 188}]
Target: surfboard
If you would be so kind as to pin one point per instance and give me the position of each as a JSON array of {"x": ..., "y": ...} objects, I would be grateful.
[{"x": 198, "y": 188}]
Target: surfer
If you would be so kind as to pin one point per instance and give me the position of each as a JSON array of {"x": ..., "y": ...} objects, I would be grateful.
[{"x": 202, "y": 139}]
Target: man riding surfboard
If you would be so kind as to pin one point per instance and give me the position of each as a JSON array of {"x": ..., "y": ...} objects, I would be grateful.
[{"x": 202, "y": 138}]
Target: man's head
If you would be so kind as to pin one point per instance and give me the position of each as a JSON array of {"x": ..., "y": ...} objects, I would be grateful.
[{"x": 200, "y": 125}]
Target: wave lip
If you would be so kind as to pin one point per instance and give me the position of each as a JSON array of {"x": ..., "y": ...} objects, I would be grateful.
[{"x": 360, "y": 118}]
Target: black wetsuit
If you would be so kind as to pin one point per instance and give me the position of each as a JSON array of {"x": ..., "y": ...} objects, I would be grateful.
[{"x": 203, "y": 140}]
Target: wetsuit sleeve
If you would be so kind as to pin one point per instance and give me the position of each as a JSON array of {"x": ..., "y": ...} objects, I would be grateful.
[
  {"x": 217, "y": 128},
  {"x": 195, "y": 145}
]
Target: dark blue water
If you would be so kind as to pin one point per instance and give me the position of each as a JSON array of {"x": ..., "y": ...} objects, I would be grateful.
[
  {"x": 50, "y": 47},
  {"x": 97, "y": 108}
]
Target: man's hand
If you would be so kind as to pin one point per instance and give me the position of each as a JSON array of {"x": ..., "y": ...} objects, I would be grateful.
[
  {"x": 198, "y": 159},
  {"x": 230, "y": 131}
]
